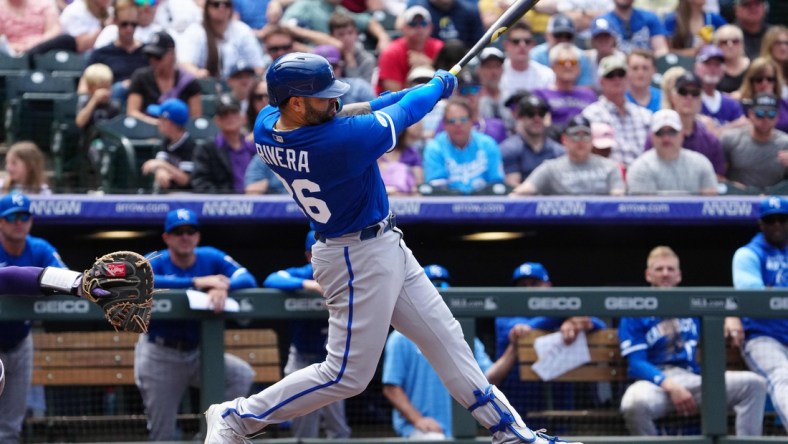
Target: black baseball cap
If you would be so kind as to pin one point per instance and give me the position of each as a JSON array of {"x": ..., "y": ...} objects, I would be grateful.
[
  {"x": 531, "y": 102},
  {"x": 689, "y": 78},
  {"x": 765, "y": 100},
  {"x": 159, "y": 43},
  {"x": 576, "y": 123},
  {"x": 227, "y": 104}
]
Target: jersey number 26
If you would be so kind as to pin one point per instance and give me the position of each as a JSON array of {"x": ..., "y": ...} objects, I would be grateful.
[{"x": 315, "y": 208}]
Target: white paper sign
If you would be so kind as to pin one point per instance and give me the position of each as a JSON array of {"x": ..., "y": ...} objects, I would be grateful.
[
  {"x": 199, "y": 300},
  {"x": 554, "y": 357}
]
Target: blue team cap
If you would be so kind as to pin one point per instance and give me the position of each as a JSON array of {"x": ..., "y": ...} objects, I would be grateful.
[
  {"x": 180, "y": 217},
  {"x": 601, "y": 25},
  {"x": 774, "y": 205},
  {"x": 310, "y": 240},
  {"x": 174, "y": 110},
  {"x": 14, "y": 203},
  {"x": 533, "y": 270},
  {"x": 438, "y": 274}
]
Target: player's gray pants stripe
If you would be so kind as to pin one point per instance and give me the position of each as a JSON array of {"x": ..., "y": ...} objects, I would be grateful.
[{"x": 769, "y": 357}]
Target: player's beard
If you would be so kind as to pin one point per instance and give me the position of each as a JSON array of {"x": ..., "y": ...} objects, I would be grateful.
[{"x": 314, "y": 116}]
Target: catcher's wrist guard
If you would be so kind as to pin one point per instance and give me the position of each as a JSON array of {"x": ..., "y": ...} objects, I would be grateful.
[{"x": 57, "y": 280}]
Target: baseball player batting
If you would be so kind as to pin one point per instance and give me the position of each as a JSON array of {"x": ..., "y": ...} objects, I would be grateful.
[{"x": 326, "y": 157}]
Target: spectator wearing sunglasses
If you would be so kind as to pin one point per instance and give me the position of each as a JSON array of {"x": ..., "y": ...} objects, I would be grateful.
[
  {"x": 578, "y": 172},
  {"x": 684, "y": 98},
  {"x": 461, "y": 159},
  {"x": 18, "y": 248},
  {"x": 529, "y": 146},
  {"x": 757, "y": 155},
  {"x": 669, "y": 168},
  {"x": 415, "y": 48},
  {"x": 730, "y": 40},
  {"x": 142, "y": 26},
  {"x": 629, "y": 121},
  {"x": 764, "y": 75},
  {"x": 470, "y": 88},
  {"x": 519, "y": 71},
  {"x": 565, "y": 97},
  {"x": 561, "y": 29}
]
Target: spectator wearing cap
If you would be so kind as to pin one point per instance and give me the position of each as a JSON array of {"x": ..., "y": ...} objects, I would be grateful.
[
  {"x": 167, "y": 357},
  {"x": 578, "y": 172},
  {"x": 765, "y": 76},
  {"x": 602, "y": 43},
  {"x": 316, "y": 14},
  {"x": 469, "y": 88},
  {"x": 490, "y": 70},
  {"x": 690, "y": 27},
  {"x": 583, "y": 13},
  {"x": 519, "y": 71},
  {"x": 603, "y": 140},
  {"x": 751, "y": 18},
  {"x": 219, "y": 167},
  {"x": 145, "y": 89},
  {"x": 358, "y": 62},
  {"x": 637, "y": 28},
  {"x": 454, "y": 20},
  {"x": 172, "y": 168},
  {"x": 684, "y": 98},
  {"x": 640, "y": 72},
  {"x": 724, "y": 111},
  {"x": 757, "y": 155},
  {"x": 761, "y": 265},
  {"x": 122, "y": 53},
  {"x": 415, "y": 48},
  {"x": 360, "y": 89},
  {"x": 421, "y": 404},
  {"x": 630, "y": 122},
  {"x": 669, "y": 168},
  {"x": 18, "y": 248},
  {"x": 529, "y": 146},
  {"x": 561, "y": 29},
  {"x": 565, "y": 98},
  {"x": 730, "y": 40},
  {"x": 211, "y": 48},
  {"x": 240, "y": 82},
  {"x": 461, "y": 159}
]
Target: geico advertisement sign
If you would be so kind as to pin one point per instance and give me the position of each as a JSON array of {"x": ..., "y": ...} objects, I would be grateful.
[
  {"x": 54, "y": 306},
  {"x": 631, "y": 303},
  {"x": 554, "y": 303},
  {"x": 778, "y": 303}
]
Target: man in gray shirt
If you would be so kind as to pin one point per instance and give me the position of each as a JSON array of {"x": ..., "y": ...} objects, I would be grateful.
[
  {"x": 578, "y": 171},
  {"x": 757, "y": 154},
  {"x": 669, "y": 168}
]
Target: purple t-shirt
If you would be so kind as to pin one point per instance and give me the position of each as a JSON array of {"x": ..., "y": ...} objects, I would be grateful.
[
  {"x": 782, "y": 117},
  {"x": 566, "y": 104},
  {"x": 729, "y": 111},
  {"x": 239, "y": 160},
  {"x": 410, "y": 157},
  {"x": 704, "y": 142}
]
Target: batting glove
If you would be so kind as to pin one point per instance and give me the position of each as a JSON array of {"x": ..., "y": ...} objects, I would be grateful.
[{"x": 449, "y": 82}]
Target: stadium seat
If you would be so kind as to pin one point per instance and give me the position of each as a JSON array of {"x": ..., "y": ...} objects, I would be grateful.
[
  {"x": 9, "y": 66},
  {"x": 67, "y": 153},
  {"x": 60, "y": 64},
  {"x": 209, "y": 103},
  {"x": 30, "y": 106},
  {"x": 123, "y": 144},
  {"x": 202, "y": 130}
]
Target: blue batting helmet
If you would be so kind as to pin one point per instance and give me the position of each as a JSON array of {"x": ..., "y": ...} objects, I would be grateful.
[
  {"x": 438, "y": 274},
  {"x": 304, "y": 75}
]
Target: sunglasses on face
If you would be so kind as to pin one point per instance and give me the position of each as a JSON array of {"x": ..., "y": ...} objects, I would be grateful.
[
  {"x": 528, "y": 41},
  {"x": 281, "y": 48},
  {"x": 781, "y": 42},
  {"x": 666, "y": 132},
  {"x": 563, "y": 36},
  {"x": 259, "y": 96},
  {"x": 616, "y": 74},
  {"x": 156, "y": 57},
  {"x": 770, "y": 79},
  {"x": 725, "y": 42},
  {"x": 470, "y": 89},
  {"x": 775, "y": 218},
  {"x": 418, "y": 23},
  {"x": 11, "y": 218},
  {"x": 765, "y": 113},
  {"x": 688, "y": 92},
  {"x": 188, "y": 231},
  {"x": 569, "y": 63},
  {"x": 456, "y": 120},
  {"x": 125, "y": 24},
  {"x": 531, "y": 113},
  {"x": 218, "y": 5},
  {"x": 579, "y": 136}
]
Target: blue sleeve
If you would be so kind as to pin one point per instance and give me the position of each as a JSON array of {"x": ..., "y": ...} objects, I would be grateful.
[
  {"x": 395, "y": 360},
  {"x": 640, "y": 368},
  {"x": 256, "y": 171},
  {"x": 415, "y": 105},
  {"x": 717, "y": 20},
  {"x": 289, "y": 279},
  {"x": 434, "y": 164},
  {"x": 632, "y": 334},
  {"x": 586, "y": 77},
  {"x": 545, "y": 322},
  {"x": 670, "y": 23},
  {"x": 239, "y": 275},
  {"x": 482, "y": 358},
  {"x": 746, "y": 270},
  {"x": 494, "y": 172},
  {"x": 655, "y": 25},
  {"x": 47, "y": 254},
  {"x": 598, "y": 323}
]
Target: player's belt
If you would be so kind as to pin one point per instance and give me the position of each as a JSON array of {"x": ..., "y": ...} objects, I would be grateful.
[
  {"x": 371, "y": 231},
  {"x": 173, "y": 343}
]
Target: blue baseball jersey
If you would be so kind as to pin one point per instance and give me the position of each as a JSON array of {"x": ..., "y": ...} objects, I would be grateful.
[
  {"x": 406, "y": 367},
  {"x": 331, "y": 169},
  {"x": 37, "y": 253},
  {"x": 759, "y": 265},
  {"x": 466, "y": 169},
  {"x": 651, "y": 343},
  {"x": 638, "y": 31},
  {"x": 308, "y": 336},
  {"x": 209, "y": 261}
]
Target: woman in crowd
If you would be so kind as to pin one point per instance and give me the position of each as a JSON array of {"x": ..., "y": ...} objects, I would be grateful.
[
  {"x": 730, "y": 39},
  {"x": 401, "y": 168},
  {"x": 26, "y": 23},
  {"x": 775, "y": 47},
  {"x": 258, "y": 99},
  {"x": 764, "y": 76},
  {"x": 24, "y": 166},
  {"x": 691, "y": 27}
]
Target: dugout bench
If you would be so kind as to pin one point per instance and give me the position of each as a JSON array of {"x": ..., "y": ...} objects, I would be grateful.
[
  {"x": 105, "y": 360},
  {"x": 609, "y": 367}
]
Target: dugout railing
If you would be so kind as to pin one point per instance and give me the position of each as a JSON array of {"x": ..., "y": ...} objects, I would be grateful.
[{"x": 711, "y": 305}]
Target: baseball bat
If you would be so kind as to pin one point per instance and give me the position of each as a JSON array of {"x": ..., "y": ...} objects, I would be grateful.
[{"x": 507, "y": 19}]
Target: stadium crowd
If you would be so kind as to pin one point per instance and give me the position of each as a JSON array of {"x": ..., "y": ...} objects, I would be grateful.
[{"x": 512, "y": 125}]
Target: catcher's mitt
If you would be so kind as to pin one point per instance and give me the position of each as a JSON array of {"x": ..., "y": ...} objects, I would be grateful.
[{"x": 121, "y": 283}]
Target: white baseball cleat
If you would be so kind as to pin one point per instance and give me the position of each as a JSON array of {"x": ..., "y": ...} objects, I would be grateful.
[
  {"x": 219, "y": 432},
  {"x": 514, "y": 434}
]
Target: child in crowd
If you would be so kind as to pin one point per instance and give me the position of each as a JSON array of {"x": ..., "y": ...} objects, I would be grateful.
[
  {"x": 24, "y": 166},
  {"x": 96, "y": 106}
]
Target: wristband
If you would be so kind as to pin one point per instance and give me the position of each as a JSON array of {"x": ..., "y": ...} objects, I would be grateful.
[{"x": 58, "y": 280}]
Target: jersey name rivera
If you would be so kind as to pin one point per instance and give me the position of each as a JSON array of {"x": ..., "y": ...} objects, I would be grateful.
[{"x": 290, "y": 158}]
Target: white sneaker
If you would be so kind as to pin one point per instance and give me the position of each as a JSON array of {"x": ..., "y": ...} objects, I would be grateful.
[
  {"x": 219, "y": 432},
  {"x": 514, "y": 434}
]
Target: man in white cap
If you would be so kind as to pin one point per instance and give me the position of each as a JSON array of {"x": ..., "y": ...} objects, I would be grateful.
[{"x": 669, "y": 168}]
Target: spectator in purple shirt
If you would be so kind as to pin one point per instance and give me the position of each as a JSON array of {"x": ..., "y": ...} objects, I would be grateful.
[
  {"x": 685, "y": 100},
  {"x": 724, "y": 111},
  {"x": 564, "y": 98}
]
